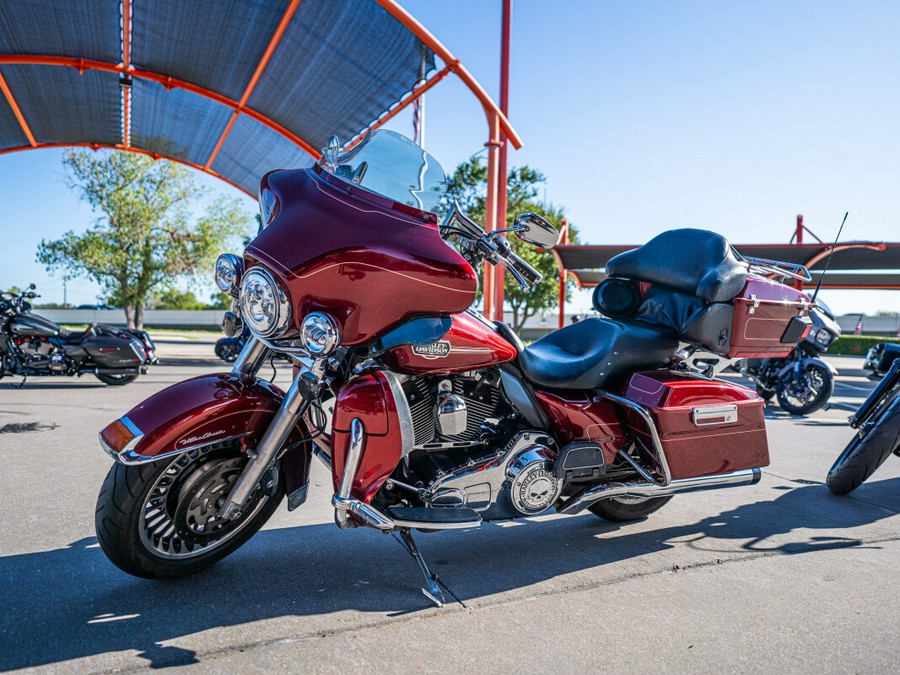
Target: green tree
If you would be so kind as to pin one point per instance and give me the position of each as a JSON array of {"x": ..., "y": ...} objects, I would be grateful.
[
  {"x": 468, "y": 186},
  {"x": 145, "y": 238},
  {"x": 172, "y": 298}
]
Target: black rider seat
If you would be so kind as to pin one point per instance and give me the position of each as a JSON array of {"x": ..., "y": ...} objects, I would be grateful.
[
  {"x": 587, "y": 354},
  {"x": 75, "y": 336}
]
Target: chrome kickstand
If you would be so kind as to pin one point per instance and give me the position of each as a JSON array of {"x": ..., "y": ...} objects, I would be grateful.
[{"x": 433, "y": 591}]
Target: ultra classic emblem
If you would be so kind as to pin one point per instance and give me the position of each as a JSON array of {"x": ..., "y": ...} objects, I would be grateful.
[{"x": 435, "y": 350}]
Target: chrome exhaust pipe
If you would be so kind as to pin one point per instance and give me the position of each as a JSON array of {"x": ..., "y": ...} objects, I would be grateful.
[{"x": 588, "y": 496}]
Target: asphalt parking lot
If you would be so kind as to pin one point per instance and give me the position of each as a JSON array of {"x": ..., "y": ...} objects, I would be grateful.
[{"x": 778, "y": 577}]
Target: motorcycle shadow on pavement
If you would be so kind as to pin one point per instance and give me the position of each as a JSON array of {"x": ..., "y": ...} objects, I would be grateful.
[{"x": 72, "y": 603}]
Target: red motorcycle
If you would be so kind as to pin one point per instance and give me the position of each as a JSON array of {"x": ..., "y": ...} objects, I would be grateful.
[{"x": 428, "y": 416}]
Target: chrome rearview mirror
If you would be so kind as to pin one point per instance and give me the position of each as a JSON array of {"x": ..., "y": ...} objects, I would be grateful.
[{"x": 532, "y": 228}]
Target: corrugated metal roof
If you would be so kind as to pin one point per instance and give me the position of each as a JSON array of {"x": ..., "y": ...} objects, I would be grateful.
[{"x": 235, "y": 88}]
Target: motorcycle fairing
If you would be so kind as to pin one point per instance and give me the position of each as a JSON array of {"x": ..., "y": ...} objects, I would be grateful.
[
  {"x": 375, "y": 398},
  {"x": 204, "y": 410}
]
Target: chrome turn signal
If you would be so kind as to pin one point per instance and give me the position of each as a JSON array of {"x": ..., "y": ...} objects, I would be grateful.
[
  {"x": 229, "y": 270},
  {"x": 320, "y": 334}
]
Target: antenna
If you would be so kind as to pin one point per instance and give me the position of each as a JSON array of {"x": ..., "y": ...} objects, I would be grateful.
[{"x": 828, "y": 260}]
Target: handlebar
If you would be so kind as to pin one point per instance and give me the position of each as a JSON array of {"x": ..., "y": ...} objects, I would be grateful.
[{"x": 493, "y": 248}]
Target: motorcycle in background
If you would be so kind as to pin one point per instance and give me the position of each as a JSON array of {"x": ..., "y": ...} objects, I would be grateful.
[
  {"x": 880, "y": 358},
  {"x": 802, "y": 382},
  {"x": 228, "y": 348},
  {"x": 31, "y": 345},
  {"x": 428, "y": 416},
  {"x": 878, "y": 435}
]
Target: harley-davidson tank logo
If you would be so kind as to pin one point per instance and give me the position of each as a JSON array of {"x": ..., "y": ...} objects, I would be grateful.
[{"x": 435, "y": 350}]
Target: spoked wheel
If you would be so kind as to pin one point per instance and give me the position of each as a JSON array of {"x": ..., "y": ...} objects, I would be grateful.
[
  {"x": 864, "y": 454},
  {"x": 160, "y": 519},
  {"x": 116, "y": 380},
  {"x": 228, "y": 352},
  {"x": 621, "y": 509},
  {"x": 805, "y": 392}
]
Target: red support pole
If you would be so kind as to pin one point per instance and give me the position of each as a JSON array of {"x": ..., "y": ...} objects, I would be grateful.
[
  {"x": 503, "y": 173},
  {"x": 563, "y": 275}
]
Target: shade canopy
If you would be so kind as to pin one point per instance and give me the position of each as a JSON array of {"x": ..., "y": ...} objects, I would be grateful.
[
  {"x": 857, "y": 264},
  {"x": 231, "y": 87}
]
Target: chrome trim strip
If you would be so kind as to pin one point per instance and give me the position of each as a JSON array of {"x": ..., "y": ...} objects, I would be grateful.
[
  {"x": 129, "y": 457},
  {"x": 407, "y": 432},
  {"x": 588, "y": 496}
]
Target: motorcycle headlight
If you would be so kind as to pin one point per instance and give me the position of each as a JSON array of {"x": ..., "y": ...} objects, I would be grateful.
[
  {"x": 823, "y": 337},
  {"x": 264, "y": 306},
  {"x": 229, "y": 270},
  {"x": 320, "y": 334}
]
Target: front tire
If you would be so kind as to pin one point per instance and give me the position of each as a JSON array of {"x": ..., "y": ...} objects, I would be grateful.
[
  {"x": 864, "y": 454},
  {"x": 623, "y": 509},
  {"x": 807, "y": 392},
  {"x": 156, "y": 520}
]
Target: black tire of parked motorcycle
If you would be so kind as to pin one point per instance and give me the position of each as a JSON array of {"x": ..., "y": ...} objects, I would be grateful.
[
  {"x": 228, "y": 353},
  {"x": 820, "y": 399},
  {"x": 863, "y": 455},
  {"x": 116, "y": 380},
  {"x": 620, "y": 511},
  {"x": 764, "y": 393},
  {"x": 120, "y": 508}
]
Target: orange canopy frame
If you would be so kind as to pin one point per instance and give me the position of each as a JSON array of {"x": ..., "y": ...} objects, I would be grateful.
[{"x": 208, "y": 96}]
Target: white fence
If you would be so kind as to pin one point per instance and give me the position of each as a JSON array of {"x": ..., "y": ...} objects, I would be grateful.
[{"x": 157, "y": 318}]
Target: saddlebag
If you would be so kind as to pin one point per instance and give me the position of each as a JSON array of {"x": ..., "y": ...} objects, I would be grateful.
[
  {"x": 707, "y": 427},
  {"x": 114, "y": 352},
  {"x": 763, "y": 313}
]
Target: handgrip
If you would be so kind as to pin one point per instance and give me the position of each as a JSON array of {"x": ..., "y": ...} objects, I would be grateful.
[{"x": 526, "y": 271}]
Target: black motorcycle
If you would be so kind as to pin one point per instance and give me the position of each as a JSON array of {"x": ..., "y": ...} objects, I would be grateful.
[
  {"x": 228, "y": 348},
  {"x": 32, "y": 345},
  {"x": 878, "y": 435},
  {"x": 880, "y": 358},
  {"x": 802, "y": 382}
]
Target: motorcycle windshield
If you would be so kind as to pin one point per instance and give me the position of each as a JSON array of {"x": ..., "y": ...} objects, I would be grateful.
[{"x": 392, "y": 166}]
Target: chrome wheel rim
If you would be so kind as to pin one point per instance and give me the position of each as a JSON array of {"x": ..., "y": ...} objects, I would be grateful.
[{"x": 158, "y": 530}]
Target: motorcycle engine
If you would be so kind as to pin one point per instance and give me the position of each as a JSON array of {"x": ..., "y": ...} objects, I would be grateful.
[
  {"x": 40, "y": 353},
  {"x": 469, "y": 453}
]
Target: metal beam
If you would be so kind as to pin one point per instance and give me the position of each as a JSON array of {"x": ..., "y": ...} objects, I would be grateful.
[
  {"x": 17, "y": 111},
  {"x": 257, "y": 73},
  {"x": 83, "y": 65}
]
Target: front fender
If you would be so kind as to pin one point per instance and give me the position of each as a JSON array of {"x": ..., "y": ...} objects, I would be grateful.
[
  {"x": 201, "y": 411},
  {"x": 818, "y": 362}
]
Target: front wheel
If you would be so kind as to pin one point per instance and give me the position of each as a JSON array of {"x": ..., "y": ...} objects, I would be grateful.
[
  {"x": 159, "y": 520},
  {"x": 623, "y": 509},
  {"x": 805, "y": 392},
  {"x": 116, "y": 380},
  {"x": 864, "y": 454}
]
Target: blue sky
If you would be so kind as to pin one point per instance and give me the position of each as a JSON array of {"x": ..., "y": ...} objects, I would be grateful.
[{"x": 644, "y": 116}]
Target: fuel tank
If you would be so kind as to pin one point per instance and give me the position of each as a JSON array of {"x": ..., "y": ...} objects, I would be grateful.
[
  {"x": 371, "y": 263},
  {"x": 471, "y": 344},
  {"x": 32, "y": 325}
]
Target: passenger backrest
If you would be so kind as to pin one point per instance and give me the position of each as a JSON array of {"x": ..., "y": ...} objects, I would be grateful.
[{"x": 693, "y": 262}]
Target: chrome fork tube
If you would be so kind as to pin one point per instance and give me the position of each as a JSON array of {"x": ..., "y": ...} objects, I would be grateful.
[
  {"x": 303, "y": 390},
  {"x": 251, "y": 358}
]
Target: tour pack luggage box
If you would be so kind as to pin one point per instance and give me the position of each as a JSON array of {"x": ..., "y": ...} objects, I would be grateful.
[
  {"x": 707, "y": 427},
  {"x": 762, "y": 313},
  {"x": 113, "y": 352}
]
